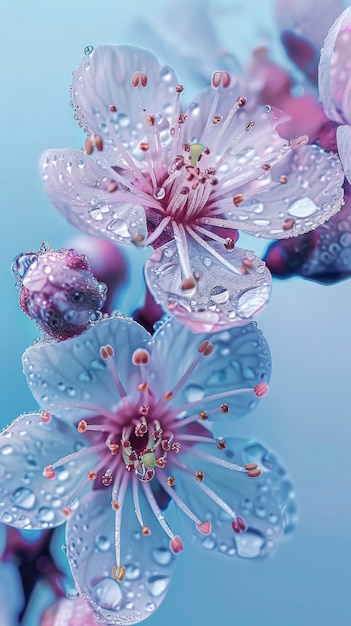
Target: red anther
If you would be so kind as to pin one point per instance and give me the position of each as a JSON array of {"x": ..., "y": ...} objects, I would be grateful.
[
  {"x": 119, "y": 573},
  {"x": 216, "y": 119},
  {"x": 139, "y": 78},
  {"x": 220, "y": 79},
  {"x": 150, "y": 120},
  {"x": 106, "y": 479},
  {"x": 126, "y": 444},
  {"x": 261, "y": 389},
  {"x": 113, "y": 447},
  {"x": 133, "y": 456},
  {"x": 92, "y": 475},
  {"x": 89, "y": 145},
  {"x": 176, "y": 545},
  {"x": 204, "y": 527},
  {"x": 208, "y": 350},
  {"x": 221, "y": 445},
  {"x": 236, "y": 527},
  {"x": 165, "y": 445},
  {"x": 247, "y": 264},
  {"x": 111, "y": 186},
  {"x": 98, "y": 143},
  {"x": 288, "y": 223},
  {"x": 242, "y": 524},
  {"x": 144, "y": 409},
  {"x": 45, "y": 417},
  {"x": 241, "y": 101},
  {"x": 266, "y": 167},
  {"x": 202, "y": 347},
  {"x": 141, "y": 357},
  {"x": 161, "y": 462},
  {"x": 238, "y": 199},
  {"x": 203, "y": 415},
  {"x": 176, "y": 447},
  {"x": 283, "y": 179},
  {"x": 115, "y": 505},
  {"x": 254, "y": 473},
  {"x": 186, "y": 147},
  {"x": 140, "y": 430},
  {"x": 179, "y": 88},
  {"x": 224, "y": 408},
  {"x": 67, "y": 511},
  {"x": 182, "y": 118},
  {"x": 112, "y": 108},
  {"x": 188, "y": 284},
  {"x": 144, "y": 146},
  {"x": 168, "y": 395},
  {"x": 103, "y": 352},
  {"x": 145, "y": 531},
  {"x": 110, "y": 351},
  {"x": 49, "y": 472},
  {"x": 157, "y": 433},
  {"x": 143, "y": 387},
  {"x": 251, "y": 466},
  {"x": 229, "y": 243},
  {"x": 82, "y": 426},
  {"x": 249, "y": 126}
]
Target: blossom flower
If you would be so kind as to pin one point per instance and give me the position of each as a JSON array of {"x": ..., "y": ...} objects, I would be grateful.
[
  {"x": 123, "y": 432},
  {"x": 184, "y": 181}
]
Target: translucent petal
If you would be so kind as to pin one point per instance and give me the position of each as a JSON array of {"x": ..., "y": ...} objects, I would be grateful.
[
  {"x": 72, "y": 371},
  {"x": 28, "y": 499},
  {"x": 311, "y": 192},
  {"x": 267, "y": 503},
  {"x": 334, "y": 71},
  {"x": 73, "y": 612},
  {"x": 223, "y": 297},
  {"x": 323, "y": 256},
  {"x": 78, "y": 187},
  {"x": 103, "y": 79},
  {"x": 343, "y": 138},
  {"x": 240, "y": 359},
  {"x": 91, "y": 551}
]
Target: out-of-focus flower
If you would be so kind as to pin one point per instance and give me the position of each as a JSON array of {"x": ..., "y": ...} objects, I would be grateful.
[
  {"x": 70, "y": 612},
  {"x": 57, "y": 290},
  {"x": 126, "y": 414},
  {"x": 183, "y": 182}
]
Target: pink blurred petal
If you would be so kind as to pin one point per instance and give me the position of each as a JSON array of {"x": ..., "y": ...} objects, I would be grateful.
[{"x": 69, "y": 613}]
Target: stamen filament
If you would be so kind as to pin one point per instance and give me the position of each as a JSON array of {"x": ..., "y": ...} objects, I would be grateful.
[
  {"x": 83, "y": 405},
  {"x": 157, "y": 511},
  {"x": 211, "y": 251},
  {"x": 179, "y": 502},
  {"x": 215, "y": 396},
  {"x": 212, "y": 459}
]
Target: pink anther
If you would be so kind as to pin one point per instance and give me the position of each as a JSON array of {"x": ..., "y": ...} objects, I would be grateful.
[
  {"x": 220, "y": 79},
  {"x": 49, "y": 472},
  {"x": 261, "y": 389},
  {"x": 204, "y": 527},
  {"x": 139, "y": 78},
  {"x": 176, "y": 545}
]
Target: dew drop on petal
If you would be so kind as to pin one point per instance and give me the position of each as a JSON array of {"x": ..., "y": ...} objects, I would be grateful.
[
  {"x": 24, "y": 498},
  {"x": 249, "y": 544},
  {"x": 46, "y": 514},
  {"x": 108, "y": 593},
  {"x": 132, "y": 572},
  {"x": 157, "y": 584},
  {"x": 102, "y": 543},
  {"x": 194, "y": 392},
  {"x": 302, "y": 207},
  {"x": 162, "y": 556}
]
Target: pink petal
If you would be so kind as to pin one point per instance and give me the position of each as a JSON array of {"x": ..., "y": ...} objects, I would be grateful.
[
  {"x": 69, "y": 612},
  {"x": 334, "y": 70},
  {"x": 78, "y": 188}
]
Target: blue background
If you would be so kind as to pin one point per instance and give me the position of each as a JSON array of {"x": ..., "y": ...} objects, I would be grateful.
[{"x": 305, "y": 418}]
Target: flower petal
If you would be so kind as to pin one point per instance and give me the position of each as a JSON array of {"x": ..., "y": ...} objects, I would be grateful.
[
  {"x": 73, "y": 371},
  {"x": 104, "y": 79},
  {"x": 305, "y": 192},
  {"x": 74, "y": 612},
  {"x": 266, "y": 504},
  {"x": 240, "y": 359},
  {"x": 333, "y": 79},
  {"x": 27, "y": 446},
  {"x": 92, "y": 554},
  {"x": 79, "y": 188},
  {"x": 222, "y": 298},
  {"x": 343, "y": 138}
]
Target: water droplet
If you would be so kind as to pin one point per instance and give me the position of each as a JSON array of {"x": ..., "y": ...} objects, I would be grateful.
[
  {"x": 85, "y": 377},
  {"x": 120, "y": 228},
  {"x": 162, "y": 556},
  {"x": 98, "y": 212},
  {"x": 108, "y": 593},
  {"x": 149, "y": 607},
  {"x": 194, "y": 392},
  {"x": 208, "y": 543},
  {"x": 62, "y": 475},
  {"x": 45, "y": 514},
  {"x": 302, "y": 207},
  {"x": 130, "y": 606},
  {"x": 24, "y": 498},
  {"x": 249, "y": 544},
  {"x": 160, "y": 193},
  {"x": 7, "y": 518},
  {"x": 132, "y": 572},
  {"x": 88, "y": 49},
  {"x": 207, "y": 261},
  {"x": 5, "y": 450},
  {"x": 260, "y": 511},
  {"x": 219, "y": 294},
  {"x": 102, "y": 543},
  {"x": 71, "y": 392},
  {"x": 157, "y": 584}
]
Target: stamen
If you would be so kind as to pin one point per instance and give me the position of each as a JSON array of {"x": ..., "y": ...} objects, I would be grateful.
[
  {"x": 139, "y": 79},
  {"x": 210, "y": 250},
  {"x": 158, "y": 231},
  {"x": 99, "y": 410},
  {"x": 220, "y": 79},
  {"x": 106, "y": 353},
  {"x": 215, "y": 396},
  {"x": 145, "y": 530},
  {"x": 92, "y": 142},
  {"x": 212, "y": 459},
  {"x": 175, "y": 544},
  {"x": 119, "y": 490},
  {"x": 205, "y": 349},
  {"x": 45, "y": 417},
  {"x": 203, "y": 527}
]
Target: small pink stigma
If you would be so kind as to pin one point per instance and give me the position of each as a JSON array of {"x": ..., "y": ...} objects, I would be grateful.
[
  {"x": 145, "y": 531},
  {"x": 261, "y": 389},
  {"x": 220, "y": 79},
  {"x": 106, "y": 352},
  {"x": 176, "y": 545},
  {"x": 239, "y": 525},
  {"x": 49, "y": 472},
  {"x": 179, "y": 88},
  {"x": 139, "y": 78},
  {"x": 45, "y": 417},
  {"x": 204, "y": 527},
  {"x": 112, "y": 108},
  {"x": 141, "y": 357},
  {"x": 67, "y": 511},
  {"x": 82, "y": 426}
]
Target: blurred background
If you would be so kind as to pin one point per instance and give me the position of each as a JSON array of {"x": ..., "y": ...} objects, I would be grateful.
[{"x": 305, "y": 419}]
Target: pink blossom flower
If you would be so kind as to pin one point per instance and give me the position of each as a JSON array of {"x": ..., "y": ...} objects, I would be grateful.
[
  {"x": 122, "y": 433},
  {"x": 184, "y": 181}
]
